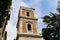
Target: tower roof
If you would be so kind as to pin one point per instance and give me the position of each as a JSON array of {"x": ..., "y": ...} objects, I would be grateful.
[{"x": 27, "y": 8}]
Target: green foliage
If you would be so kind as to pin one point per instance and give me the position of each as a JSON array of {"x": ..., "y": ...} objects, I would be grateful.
[
  {"x": 58, "y": 8},
  {"x": 4, "y": 5},
  {"x": 49, "y": 34},
  {"x": 53, "y": 20},
  {"x": 52, "y": 31},
  {"x": 4, "y": 9}
]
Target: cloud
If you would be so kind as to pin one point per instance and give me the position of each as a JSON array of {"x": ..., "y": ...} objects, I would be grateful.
[
  {"x": 36, "y": 1},
  {"x": 11, "y": 31},
  {"x": 38, "y": 15},
  {"x": 11, "y": 27},
  {"x": 24, "y": 4}
]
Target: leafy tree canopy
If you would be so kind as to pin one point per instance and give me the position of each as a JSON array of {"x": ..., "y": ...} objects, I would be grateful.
[{"x": 52, "y": 31}]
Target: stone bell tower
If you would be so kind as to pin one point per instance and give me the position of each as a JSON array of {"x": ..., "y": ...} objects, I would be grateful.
[{"x": 27, "y": 25}]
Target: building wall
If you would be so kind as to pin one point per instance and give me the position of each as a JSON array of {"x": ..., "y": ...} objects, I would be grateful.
[
  {"x": 28, "y": 38},
  {"x": 22, "y": 28},
  {"x": 23, "y": 11},
  {"x": 3, "y": 27}
]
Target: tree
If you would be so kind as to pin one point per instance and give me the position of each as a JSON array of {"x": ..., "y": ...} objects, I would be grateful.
[
  {"x": 52, "y": 31},
  {"x": 58, "y": 8},
  {"x": 4, "y": 9}
]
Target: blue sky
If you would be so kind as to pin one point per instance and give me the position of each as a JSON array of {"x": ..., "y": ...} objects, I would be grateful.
[{"x": 42, "y": 7}]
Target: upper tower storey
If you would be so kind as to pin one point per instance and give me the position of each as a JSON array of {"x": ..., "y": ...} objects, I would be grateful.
[{"x": 26, "y": 12}]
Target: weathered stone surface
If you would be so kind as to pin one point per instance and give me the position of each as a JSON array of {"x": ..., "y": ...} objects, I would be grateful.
[{"x": 23, "y": 33}]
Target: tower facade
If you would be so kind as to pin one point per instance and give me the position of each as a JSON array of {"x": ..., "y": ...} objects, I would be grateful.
[{"x": 27, "y": 25}]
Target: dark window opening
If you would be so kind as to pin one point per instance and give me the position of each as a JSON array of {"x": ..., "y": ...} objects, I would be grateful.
[
  {"x": 28, "y": 14},
  {"x": 29, "y": 27}
]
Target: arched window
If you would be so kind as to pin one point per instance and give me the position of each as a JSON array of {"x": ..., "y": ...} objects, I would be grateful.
[
  {"x": 29, "y": 27},
  {"x": 27, "y": 14}
]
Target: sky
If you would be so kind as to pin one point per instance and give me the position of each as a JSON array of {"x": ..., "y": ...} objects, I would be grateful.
[{"x": 42, "y": 8}]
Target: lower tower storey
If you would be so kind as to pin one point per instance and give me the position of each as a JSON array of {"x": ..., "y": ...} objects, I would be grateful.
[{"x": 28, "y": 37}]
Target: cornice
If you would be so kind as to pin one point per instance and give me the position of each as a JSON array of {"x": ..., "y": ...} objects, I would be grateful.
[
  {"x": 28, "y": 18},
  {"x": 29, "y": 35}
]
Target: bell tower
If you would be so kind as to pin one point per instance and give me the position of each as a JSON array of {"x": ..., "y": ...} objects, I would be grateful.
[{"x": 27, "y": 25}]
